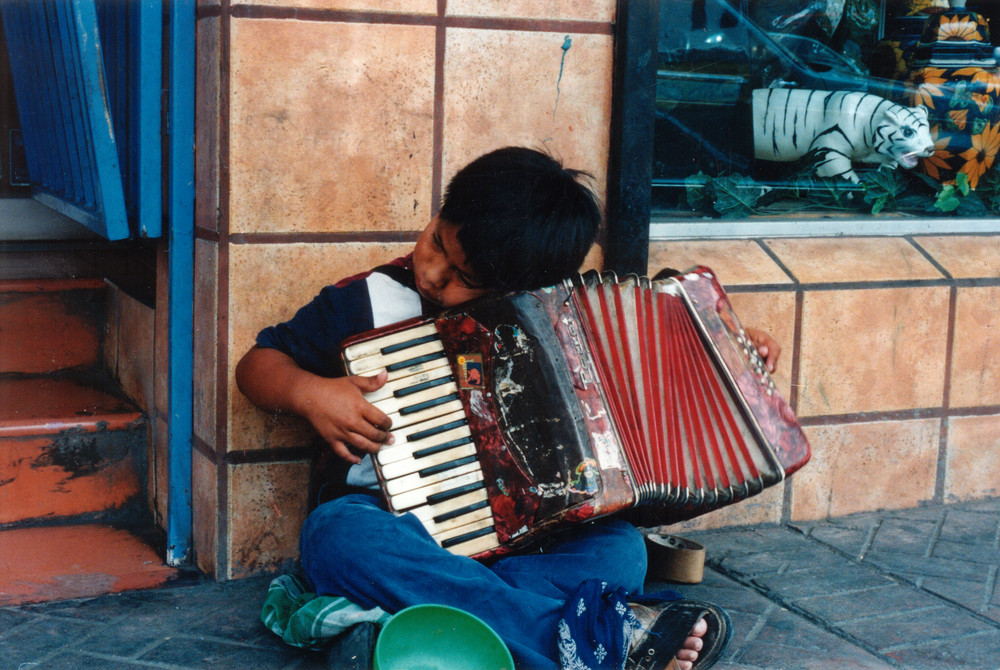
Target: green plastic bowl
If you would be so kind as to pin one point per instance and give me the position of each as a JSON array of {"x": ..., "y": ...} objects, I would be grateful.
[{"x": 438, "y": 637}]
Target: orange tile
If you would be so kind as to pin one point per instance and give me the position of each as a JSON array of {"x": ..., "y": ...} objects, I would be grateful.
[
  {"x": 205, "y": 513},
  {"x": 866, "y": 466},
  {"x": 965, "y": 256},
  {"x": 773, "y": 313},
  {"x": 585, "y": 10},
  {"x": 735, "y": 262},
  {"x": 975, "y": 367},
  {"x": 208, "y": 116},
  {"x": 50, "y": 330},
  {"x": 267, "y": 505},
  {"x": 872, "y": 350},
  {"x": 206, "y": 318},
  {"x": 66, "y": 475},
  {"x": 294, "y": 275},
  {"x": 544, "y": 96},
  {"x": 852, "y": 259},
  {"x": 391, "y": 6},
  {"x": 973, "y": 466},
  {"x": 331, "y": 126},
  {"x": 38, "y": 406},
  {"x": 42, "y": 564}
]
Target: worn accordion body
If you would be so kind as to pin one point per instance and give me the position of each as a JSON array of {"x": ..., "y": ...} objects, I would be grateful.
[{"x": 516, "y": 415}]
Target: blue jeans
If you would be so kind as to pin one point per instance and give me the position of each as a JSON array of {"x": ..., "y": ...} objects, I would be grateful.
[{"x": 351, "y": 547}]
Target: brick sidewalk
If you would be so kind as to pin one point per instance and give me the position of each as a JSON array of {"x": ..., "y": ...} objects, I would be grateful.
[{"x": 908, "y": 589}]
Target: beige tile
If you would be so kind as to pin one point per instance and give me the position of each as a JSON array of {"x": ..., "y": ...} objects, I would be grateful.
[
  {"x": 866, "y": 466},
  {"x": 975, "y": 368},
  {"x": 536, "y": 98},
  {"x": 391, "y": 6},
  {"x": 206, "y": 321},
  {"x": 109, "y": 338},
  {"x": 734, "y": 262},
  {"x": 205, "y": 514},
  {"x": 872, "y": 350},
  {"x": 586, "y": 10},
  {"x": 267, "y": 505},
  {"x": 773, "y": 313},
  {"x": 135, "y": 350},
  {"x": 764, "y": 507},
  {"x": 852, "y": 259},
  {"x": 973, "y": 466},
  {"x": 965, "y": 256},
  {"x": 207, "y": 124},
  {"x": 331, "y": 126},
  {"x": 293, "y": 274}
]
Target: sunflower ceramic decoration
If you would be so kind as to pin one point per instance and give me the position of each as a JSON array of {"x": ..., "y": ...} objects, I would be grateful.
[{"x": 955, "y": 76}]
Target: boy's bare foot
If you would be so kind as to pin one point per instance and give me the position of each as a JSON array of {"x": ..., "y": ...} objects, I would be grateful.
[{"x": 678, "y": 635}]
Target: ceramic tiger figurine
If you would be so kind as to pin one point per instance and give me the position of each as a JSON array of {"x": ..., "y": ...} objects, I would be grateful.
[{"x": 838, "y": 127}]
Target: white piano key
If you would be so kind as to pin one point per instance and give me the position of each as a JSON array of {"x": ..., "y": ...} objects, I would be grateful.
[
  {"x": 424, "y": 495},
  {"x": 374, "y": 346},
  {"x": 437, "y": 527},
  {"x": 409, "y": 440},
  {"x": 427, "y": 513},
  {"x": 410, "y": 465},
  {"x": 476, "y": 546},
  {"x": 471, "y": 526},
  {"x": 393, "y": 405},
  {"x": 395, "y": 487},
  {"x": 374, "y": 363},
  {"x": 404, "y": 420},
  {"x": 440, "y": 370}
]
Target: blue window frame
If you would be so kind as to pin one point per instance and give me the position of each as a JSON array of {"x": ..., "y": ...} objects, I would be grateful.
[{"x": 87, "y": 78}]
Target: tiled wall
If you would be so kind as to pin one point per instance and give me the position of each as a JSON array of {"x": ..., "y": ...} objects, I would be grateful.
[
  {"x": 325, "y": 132},
  {"x": 891, "y": 358}
]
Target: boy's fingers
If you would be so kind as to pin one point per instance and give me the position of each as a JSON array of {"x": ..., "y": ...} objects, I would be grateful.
[{"x": 367, "y": 384}]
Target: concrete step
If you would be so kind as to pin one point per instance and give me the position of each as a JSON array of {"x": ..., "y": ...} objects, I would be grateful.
[
  {"x": 50, "y": 324},
  {"x": 76, "y": 561},
  {"x": 68, "y": 447}
]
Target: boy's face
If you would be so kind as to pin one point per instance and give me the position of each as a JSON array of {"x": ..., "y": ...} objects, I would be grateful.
[{"x": 442, "y": 273}]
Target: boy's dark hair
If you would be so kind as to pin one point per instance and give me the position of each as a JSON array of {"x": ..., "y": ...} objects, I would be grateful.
[{"x": 524, "y": 221}]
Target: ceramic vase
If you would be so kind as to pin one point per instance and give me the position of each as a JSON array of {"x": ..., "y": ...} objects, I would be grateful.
[{"x": 955, "y": 76}]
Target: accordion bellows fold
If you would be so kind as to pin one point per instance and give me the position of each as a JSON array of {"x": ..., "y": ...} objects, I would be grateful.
[{"x": 517, "y": 414}]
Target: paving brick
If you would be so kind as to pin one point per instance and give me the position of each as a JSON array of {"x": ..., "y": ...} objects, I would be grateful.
[
  {"x": 32, "y": 641},
  {"x": 913, "y": 627},
  {"x": 840, "y": 607},
  {"x": 973, "y": 652},
  {"x": 817, "y": 582},
  {"x": 970, "y": 527},
  {"x": 910, "y": 564},
  {"x": 904, "y": 536},
  {"x": 848, "y": 540},
  {"x": 965, "y": 551},
  {"x": 970, "y": 594},
  {"x": 194, "y": 652}
]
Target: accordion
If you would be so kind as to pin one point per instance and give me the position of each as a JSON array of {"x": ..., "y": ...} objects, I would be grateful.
[{"x": 515, "y": 415}]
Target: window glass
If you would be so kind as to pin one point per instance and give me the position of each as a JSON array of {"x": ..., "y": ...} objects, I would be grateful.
[{"x": 843, "y": 108}]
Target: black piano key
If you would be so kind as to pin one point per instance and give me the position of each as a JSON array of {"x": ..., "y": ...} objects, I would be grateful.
[
  {"x": 436, "y": 430},
  {"x": 401, "y": 393},
  {"x": 468, "y": 509},
  {"x": 402, "y": 365},
  {"x": 441, "y": 467},
  {"x": 392, "y": 348},
  {"x": 466, "y": 537},
  {"x": 412, "y": 409},
  {"x": 444, "y": 446},
  {"x": 435, "y": 498}
]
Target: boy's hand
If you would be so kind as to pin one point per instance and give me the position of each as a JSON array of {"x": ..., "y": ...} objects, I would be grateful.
[
  {"x": 767, "y": 347},
  {"x": 337, "y": 409}
]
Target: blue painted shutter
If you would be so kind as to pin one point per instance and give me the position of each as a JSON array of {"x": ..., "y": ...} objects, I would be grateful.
[{"x": 87, "y": 77}]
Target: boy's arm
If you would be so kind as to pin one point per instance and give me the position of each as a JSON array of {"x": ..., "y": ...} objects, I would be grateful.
[{"x": 335, "y": 407}]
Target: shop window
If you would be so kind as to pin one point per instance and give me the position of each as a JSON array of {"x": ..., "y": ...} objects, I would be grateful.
[{"x": 878, "y": 113}]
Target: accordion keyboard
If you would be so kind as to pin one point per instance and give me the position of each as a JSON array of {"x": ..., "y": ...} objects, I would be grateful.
[{"x": 431, "y": 470}]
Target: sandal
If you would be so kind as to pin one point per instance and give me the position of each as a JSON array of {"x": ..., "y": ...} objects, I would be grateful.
[{"x": 666, "y": 625}]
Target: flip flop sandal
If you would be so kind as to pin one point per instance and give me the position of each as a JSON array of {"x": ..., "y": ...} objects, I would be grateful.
[{"x": 666, "y": 625}]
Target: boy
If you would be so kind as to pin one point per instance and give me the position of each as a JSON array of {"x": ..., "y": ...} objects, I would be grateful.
[{"x": 513, "y": 219}]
